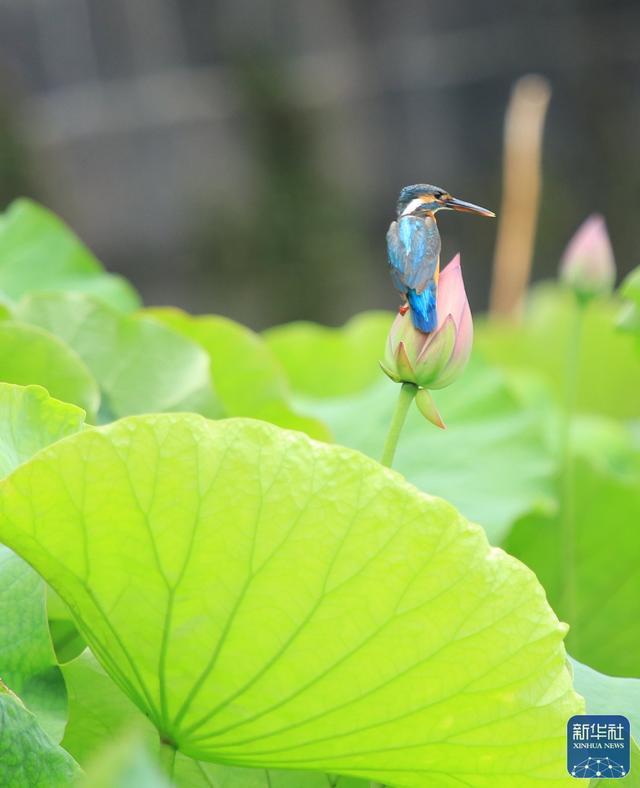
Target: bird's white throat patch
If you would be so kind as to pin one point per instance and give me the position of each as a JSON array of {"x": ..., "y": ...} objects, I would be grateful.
[{"x": 412, "y": 206}]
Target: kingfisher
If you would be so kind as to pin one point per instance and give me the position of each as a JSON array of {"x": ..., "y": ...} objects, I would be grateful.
[{"x": 413, "y": 248}]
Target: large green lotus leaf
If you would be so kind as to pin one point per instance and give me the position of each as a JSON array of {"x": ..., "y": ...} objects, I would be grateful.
[
  {"x": 272, "y": 601},
  {"x": 140, "y": 364},
  {"x": 39, "y": 252},
  {"x": 28, "y": 757},
  {"x": 247, "y": 377},
  {"x": 236, "y": 777},
  {"x": 331, "y": 362},
  {"x": 608, "y": 365},
  {"x": 607, "y": 571},
  {"x": 611, "y": 695},
  {"x": 212, "y": 774},
  {"x": 29, "y": 420},
  {"x": 99, "y": 711},
  {"x": 30, "y": 355},
  {"x": 492, "y": 461}
]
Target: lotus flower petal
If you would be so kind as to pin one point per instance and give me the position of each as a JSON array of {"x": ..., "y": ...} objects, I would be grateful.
[
  {"x": 451, "y": 298},
  {"x": 461, "y": 352},
  {"x": 389, "y": 373},
  {"x": 403, "y": 365},
  {"x": 436, "y": 354},
  {"x": 428, "y": 408},
  {"x": 389, "y": 362},
  {"x": 403, "y": 331}
]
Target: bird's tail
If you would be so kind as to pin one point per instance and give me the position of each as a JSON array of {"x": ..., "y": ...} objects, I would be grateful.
[{"x": 423, "y": 308}]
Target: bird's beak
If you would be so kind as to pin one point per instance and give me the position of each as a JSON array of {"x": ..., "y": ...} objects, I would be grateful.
[{"x": 467, "y": 207}]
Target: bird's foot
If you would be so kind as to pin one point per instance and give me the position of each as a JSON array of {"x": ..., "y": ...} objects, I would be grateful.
[{"x": 404, "y": 309}]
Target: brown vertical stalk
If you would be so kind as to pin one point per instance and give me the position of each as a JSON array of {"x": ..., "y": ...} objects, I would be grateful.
[{"x": 523, "y": 132}]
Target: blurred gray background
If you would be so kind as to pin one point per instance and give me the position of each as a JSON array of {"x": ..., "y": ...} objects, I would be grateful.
[{"x": 244, "y": 156}]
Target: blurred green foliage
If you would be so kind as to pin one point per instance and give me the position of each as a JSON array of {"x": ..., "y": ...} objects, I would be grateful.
[
  {"x": 608, "y": 371},
  {"x": 38, "y": 252},
  {"x": 607, "y": 515},
  {"x": 248, "y": 379},
  {"x": 329, "y": 362}
]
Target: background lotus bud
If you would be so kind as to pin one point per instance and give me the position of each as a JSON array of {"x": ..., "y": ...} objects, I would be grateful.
[
  {"x": 587, "y": 265},
  {"x": 436, "y": 359}
]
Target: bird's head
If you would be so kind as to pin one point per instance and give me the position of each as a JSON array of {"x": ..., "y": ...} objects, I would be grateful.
[{"x": 421, "y": 199}]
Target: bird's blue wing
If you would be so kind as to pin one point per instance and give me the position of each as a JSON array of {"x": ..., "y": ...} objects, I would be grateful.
[
  {"x": 413, "y": 249},
  {"x": 395, "y": 255}
]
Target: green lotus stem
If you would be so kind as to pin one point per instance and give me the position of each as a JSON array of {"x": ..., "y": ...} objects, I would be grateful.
[
  {"x": 167, "y": 757},
  {"x": 567, "y": 504},
  {"x": 407, "y": 393}
]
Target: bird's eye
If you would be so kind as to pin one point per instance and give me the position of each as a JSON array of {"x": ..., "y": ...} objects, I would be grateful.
[{"x": 439, "y": 195}]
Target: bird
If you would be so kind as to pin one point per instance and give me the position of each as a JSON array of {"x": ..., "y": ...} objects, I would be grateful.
[{"x": 413, "y": 248}]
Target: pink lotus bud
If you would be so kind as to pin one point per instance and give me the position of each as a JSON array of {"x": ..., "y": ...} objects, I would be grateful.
[
  {"x": 433, "y": 361},
  {"x": 587, "y": 265}
]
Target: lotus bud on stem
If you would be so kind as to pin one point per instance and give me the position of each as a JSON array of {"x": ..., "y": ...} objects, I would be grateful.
[
  {"x": 422, "y": 361},
  {"x": 588, "y": 268},
  {"x": 587, "y": 265}
]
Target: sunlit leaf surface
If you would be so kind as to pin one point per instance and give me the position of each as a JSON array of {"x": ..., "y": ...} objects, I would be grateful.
[
  {"x": 99, "y": 712},
  {"x": 271, "y": 601},
  {"x": 30, "y": 355},
  {"x": 140, "y": 364},
  {"x": 39, "y": 252},
  {"x": 30, "y": 420}
]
